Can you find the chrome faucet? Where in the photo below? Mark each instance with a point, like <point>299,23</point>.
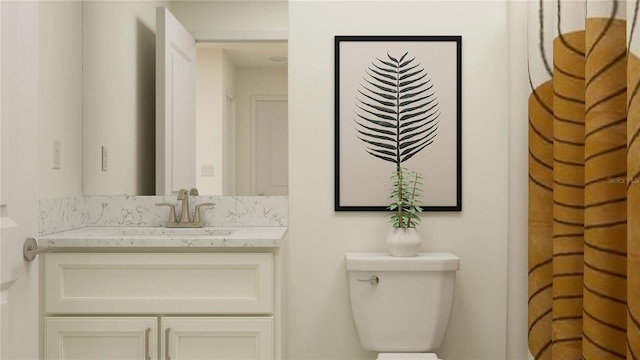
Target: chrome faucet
<point>185,221</point>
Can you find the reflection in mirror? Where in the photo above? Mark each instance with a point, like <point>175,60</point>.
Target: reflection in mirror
<point>241,118</point>
<point>196,113</point>
<point>97,91</point>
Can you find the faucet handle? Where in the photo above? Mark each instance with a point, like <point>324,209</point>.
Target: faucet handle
<point>196,213</point>
<point>172,212</point>
<point>193,192</point>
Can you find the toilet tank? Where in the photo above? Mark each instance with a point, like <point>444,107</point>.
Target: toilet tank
<point>401,304</point>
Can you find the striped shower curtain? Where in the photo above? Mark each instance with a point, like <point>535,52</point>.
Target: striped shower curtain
<point>584,179</point>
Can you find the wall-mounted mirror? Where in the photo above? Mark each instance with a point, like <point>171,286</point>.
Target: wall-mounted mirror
<point>98,89</point>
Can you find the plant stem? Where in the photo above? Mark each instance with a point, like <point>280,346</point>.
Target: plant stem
<point>413,193</point>
<point>400,208</point>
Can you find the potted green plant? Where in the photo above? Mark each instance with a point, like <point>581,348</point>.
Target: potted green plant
<point>406,191</point>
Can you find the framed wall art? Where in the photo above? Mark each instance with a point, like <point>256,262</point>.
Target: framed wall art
<point>397,104</point>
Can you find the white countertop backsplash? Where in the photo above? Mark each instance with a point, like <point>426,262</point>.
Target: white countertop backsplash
<point>62,214</point>
<point>91,212</point>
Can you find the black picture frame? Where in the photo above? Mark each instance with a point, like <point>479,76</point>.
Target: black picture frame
<point>364,100</point>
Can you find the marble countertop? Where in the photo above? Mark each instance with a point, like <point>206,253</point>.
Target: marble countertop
<point>161,237</point>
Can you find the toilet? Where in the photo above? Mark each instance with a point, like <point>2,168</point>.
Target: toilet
<point>401,305</point>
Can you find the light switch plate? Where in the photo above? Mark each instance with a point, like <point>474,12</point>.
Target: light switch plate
<point>57,149</point>
<point>105,158</point>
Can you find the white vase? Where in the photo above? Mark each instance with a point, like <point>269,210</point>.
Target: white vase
<point>403,242</point>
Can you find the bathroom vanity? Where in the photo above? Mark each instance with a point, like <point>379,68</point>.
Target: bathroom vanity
<point>148,292</point>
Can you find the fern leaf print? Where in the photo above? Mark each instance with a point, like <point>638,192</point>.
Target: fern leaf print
<point>396,109</point>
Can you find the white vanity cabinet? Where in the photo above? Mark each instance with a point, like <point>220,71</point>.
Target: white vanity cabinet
<point>162,306</point>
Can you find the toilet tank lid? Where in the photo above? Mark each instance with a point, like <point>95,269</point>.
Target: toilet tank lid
<point>380,261</point>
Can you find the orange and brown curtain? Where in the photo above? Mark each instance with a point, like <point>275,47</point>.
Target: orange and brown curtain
<point>584,180</point>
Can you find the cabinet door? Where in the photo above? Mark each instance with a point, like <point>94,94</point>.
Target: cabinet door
<point>105,338</point>
<point>224,338</point>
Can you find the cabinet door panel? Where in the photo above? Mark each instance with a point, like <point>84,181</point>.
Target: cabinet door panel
<point>106,338</point>
<point>229,283</point>
<point>234,338</point>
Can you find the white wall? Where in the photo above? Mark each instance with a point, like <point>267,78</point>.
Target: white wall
<point>215,80</point>
<point>319,322</point>
<point>208,108</point>
<point>119,96</point>
<point>97,88</point>
<point>517,336</point>
<point>252,81</point>
<point>60,89</point>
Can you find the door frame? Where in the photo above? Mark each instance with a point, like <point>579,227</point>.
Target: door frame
<point>254,134</point>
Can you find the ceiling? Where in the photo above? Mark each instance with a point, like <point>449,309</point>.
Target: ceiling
<point>253,54</point>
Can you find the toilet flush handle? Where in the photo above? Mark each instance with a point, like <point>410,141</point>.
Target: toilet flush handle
<point>373,280</point>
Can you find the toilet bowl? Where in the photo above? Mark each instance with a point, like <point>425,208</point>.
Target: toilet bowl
<point>401,305</point>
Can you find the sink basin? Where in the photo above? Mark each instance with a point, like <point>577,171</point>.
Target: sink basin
<point>160,231</point>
